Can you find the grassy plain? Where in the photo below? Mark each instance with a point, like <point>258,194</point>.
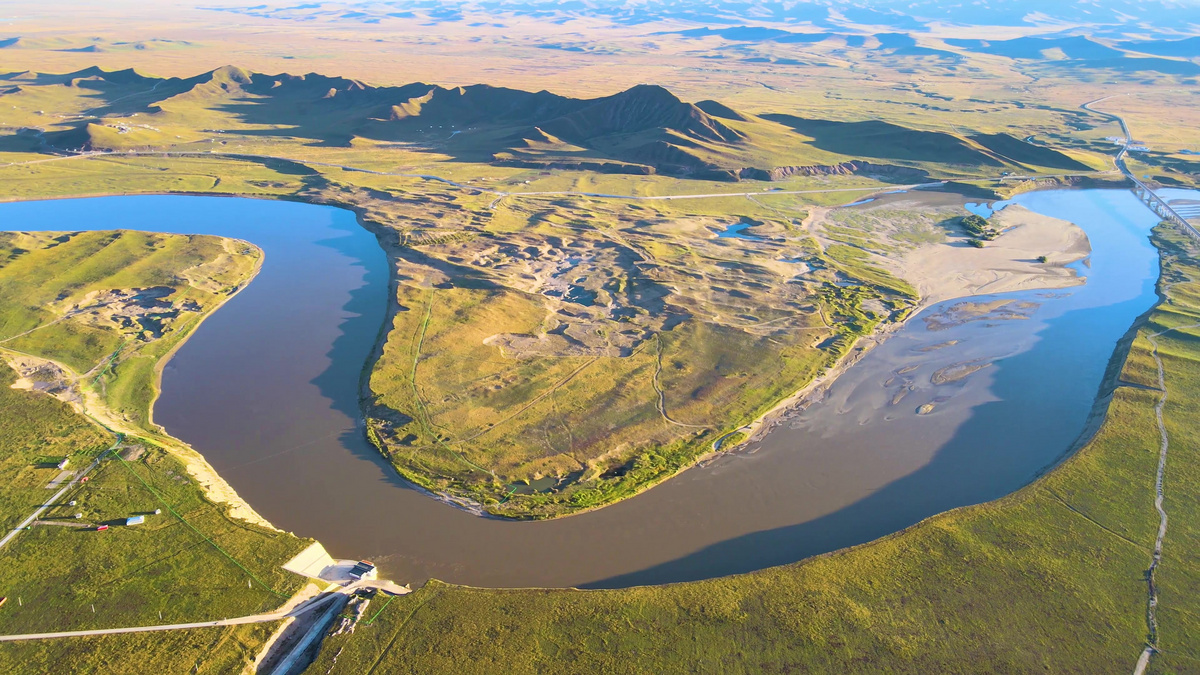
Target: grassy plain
<point>211,651</point>
<point>64,298</point>
<point>1050,578</point>
<point>110,305</point>
<point>671,337</point>
<point>597,330</point>
<point>172,564</point>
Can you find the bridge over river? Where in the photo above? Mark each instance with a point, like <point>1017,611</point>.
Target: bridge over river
<point>1148,197</point>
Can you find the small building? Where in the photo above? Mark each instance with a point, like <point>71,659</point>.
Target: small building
<point>363,569</point>
<point>63,464</point>
<point>102,528</point>
<point>135,520</point>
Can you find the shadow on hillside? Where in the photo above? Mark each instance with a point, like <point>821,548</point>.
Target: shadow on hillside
<point>365,312</point>
<point>876,139</point>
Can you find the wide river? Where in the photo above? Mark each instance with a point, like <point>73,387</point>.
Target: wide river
<point>267,390</point>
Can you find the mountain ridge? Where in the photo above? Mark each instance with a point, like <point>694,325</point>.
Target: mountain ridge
<point>643,129</point>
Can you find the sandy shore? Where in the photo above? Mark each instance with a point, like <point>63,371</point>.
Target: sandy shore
<point>954,269</point>
<point>90,404</point>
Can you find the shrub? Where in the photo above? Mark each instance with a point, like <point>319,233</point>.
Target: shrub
<point>978,227</point>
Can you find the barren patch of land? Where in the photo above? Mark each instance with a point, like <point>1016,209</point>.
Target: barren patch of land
<point>952,269</point>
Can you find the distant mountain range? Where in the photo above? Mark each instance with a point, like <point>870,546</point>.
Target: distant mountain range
<point>645,129</point>
<point>1080,51</point>
<point>1073,50</point>
<point>1167,16</point>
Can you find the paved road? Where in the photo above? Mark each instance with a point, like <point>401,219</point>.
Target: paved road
<point>255,618</point>
<point>464,186</point>
<point>281,613</point>
<point>1164,210</point>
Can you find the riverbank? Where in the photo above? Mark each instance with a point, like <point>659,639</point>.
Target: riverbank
<point>947,270</point>
<point>121,378</point>
<point>1009,265</point>
<point>386,216</point>
<point>387,239</point>
<point>138,540</point>
<point>636,534</point>
<point>1033,252</point>
<point>215,487</point>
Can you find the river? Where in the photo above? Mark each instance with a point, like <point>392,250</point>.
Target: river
<point>267,390</point>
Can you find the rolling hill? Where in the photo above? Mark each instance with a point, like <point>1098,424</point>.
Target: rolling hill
<point>1079,52</point>
<point>1185,48</point>
<point>642,130</point>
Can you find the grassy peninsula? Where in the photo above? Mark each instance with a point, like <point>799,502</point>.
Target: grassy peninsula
<point>85,321</point>
<point>1050,578</point>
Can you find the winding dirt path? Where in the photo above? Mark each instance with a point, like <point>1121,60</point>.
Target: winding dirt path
<point>662,395</point>
<point>1152,588</point>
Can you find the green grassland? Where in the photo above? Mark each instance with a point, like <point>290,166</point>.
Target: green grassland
<point>715,375</point>
<point>55,305</point>
<point>1048,579</point>
<point>551,353</point>
<point>211,651</point>
<point>38,434</point>
<point>173,564</point>
<point>189,562</point>
<point>500,383</point>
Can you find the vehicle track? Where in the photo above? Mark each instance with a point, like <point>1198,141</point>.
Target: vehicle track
<point>1152,588</point>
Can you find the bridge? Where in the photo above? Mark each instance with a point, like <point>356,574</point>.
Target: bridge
<point>1157,204</point>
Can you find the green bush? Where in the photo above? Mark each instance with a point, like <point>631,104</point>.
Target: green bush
<point>979,228</point>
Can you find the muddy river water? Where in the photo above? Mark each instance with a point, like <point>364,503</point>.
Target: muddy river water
<point>966,403</point>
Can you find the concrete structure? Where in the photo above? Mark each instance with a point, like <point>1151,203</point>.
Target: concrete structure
<point>315,563</point>
<point>310,562</point>
<point>1160,206</point>
<point>364,569</point>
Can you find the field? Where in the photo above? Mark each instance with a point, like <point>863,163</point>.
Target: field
<point>84,331</point>
<point>212,651</point>
<point>108,306</point>
<point>1050,578</point>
